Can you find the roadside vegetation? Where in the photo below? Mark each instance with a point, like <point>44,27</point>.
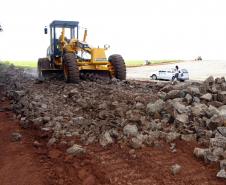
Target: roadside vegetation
<point>129,63</point>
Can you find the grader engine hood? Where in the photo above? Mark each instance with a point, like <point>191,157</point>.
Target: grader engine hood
<point>98,55</point>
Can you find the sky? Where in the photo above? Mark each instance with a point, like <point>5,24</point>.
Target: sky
<point>136,29</point>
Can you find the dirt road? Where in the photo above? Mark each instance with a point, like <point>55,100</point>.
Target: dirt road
<point>23,163</point>
<point>198,70</point>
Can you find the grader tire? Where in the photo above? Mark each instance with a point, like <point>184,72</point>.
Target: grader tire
<point>119,66</point>
<point>71,70</point>
<point>43,63</point>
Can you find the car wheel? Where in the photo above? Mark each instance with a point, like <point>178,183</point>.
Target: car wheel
<point>154,77</point>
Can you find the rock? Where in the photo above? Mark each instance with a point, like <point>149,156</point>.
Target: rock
<point>173,94</point>
<point>175,169</point>
<point>37,144</point>
<point>106,139</point>
<point>207,97</point>
<point>180,108</point>
<point>38,121</point>
<point>212,111</point>
<point>172,136</point>
<point>221,132</point>
<point>215,121</point>
<point>15,136</point>
<point>182,118</point>
<point>223,164</point>
<point>221,97</point>
<point>218,142</point>
<point>130,130</point>
<point>76,150</point>
<point>198,110</point>
<point>136,143</point>
<point>17,95</point>
<point>193,90</point>
<point>209,157</point>
<point>196,100</point>
<point>218,152</point>
<point>156,107</point>
<point>139,106</point>
<point>200,152</point>
<point>133,115</point>
<point>209,81</point>
<point>189,137</point>
<point>188,98</point>
<point>222,111</point>
<point>51,141</point>
<point>24,123</point>
<point>221,174</point>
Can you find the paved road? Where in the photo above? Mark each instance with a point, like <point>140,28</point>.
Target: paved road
<point>198,70</point>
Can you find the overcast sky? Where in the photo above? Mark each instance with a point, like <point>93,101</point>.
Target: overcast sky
<point>137,29</point>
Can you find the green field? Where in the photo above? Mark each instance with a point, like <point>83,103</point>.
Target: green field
<point>23,64</point>
<point>129,63</point>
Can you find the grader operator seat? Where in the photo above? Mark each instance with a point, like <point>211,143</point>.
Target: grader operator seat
<point>55,28</point>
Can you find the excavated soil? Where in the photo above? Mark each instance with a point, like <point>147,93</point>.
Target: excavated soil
<point>31,162</point>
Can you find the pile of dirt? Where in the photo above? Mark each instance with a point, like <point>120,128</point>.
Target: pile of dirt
<point>131,113</point>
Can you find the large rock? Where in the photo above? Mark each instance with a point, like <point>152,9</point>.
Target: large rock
<point>218,142</point>
<point>212,111</point>
<point>76,150</point>
<point>156,107</point>
<point>175,94</point>
<point>222,174</point>
<point>130,130</point>
<point>207,97</point>
<point>221,132</point>
<point>201,152</point>
<point>180,108</point>
<point>199,109</point>
<point>182,118</point>
<point>215,121</point>
<point>193,90</point>
<point>209,81</point>
<point>221,97</point>
<point>106,139</point>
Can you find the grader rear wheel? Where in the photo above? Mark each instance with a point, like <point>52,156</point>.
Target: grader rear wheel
<point>43,64</point>
<point>71,70</point>
<point>119,67</point>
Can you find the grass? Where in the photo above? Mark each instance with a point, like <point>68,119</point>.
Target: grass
<point>24,64</point>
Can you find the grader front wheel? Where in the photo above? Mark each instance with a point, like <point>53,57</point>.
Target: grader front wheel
<point>71,70</point>
<point>118,66</point>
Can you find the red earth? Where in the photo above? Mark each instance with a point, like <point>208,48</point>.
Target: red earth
<point>26,163</point>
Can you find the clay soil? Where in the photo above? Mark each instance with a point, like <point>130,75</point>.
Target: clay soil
<point>31,162</point>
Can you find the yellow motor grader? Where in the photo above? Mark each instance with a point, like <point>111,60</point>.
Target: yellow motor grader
<point>75,58</point>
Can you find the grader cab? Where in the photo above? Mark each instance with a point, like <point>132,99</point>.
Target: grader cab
<point>77,59</point>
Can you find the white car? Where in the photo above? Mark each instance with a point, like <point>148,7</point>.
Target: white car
<point>170,75</point>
